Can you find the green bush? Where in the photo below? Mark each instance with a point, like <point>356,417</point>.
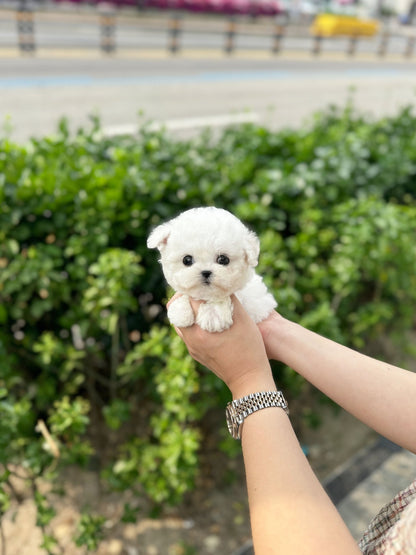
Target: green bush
<point>84,343</point>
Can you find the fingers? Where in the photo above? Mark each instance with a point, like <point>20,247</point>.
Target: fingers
<point>238,307</point>
<point>195,305</point>
<point>179,332</point>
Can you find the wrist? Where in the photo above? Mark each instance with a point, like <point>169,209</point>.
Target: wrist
<point>275,332</point>
<point>252,381</point>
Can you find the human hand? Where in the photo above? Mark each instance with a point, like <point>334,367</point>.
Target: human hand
<point>273,332</point>
<point>237,356</point>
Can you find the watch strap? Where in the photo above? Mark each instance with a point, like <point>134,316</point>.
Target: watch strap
<point>239,409</point>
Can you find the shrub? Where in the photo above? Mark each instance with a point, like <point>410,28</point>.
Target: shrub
<point>84,344</point>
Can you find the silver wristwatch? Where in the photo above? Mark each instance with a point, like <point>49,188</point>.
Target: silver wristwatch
<point>238,410</point>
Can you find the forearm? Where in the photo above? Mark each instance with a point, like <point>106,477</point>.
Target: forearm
<point>290,512</point>
<point>289,509</point>
<point>381,395</point>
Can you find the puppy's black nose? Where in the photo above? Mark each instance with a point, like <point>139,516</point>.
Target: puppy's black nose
<point>206,274</point>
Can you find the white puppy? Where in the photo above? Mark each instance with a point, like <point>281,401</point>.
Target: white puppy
<point>208,254</point>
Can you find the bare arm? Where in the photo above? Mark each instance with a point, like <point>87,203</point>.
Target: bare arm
<point>379,394</point>
<point>290,512</point>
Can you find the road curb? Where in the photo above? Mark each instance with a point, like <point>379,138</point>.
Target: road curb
<point>195,54</point>
<point>349,475</point>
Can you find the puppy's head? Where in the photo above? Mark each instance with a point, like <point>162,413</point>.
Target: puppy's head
<point>206,253</point>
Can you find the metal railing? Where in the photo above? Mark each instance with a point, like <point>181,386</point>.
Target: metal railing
<point>281,36</point>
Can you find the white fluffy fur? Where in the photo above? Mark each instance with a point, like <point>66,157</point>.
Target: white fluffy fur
<point>204,234</point>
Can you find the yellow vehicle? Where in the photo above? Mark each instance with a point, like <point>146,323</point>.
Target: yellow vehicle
<point>331,25</point>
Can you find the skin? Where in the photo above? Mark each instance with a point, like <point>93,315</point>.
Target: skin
<point>289,510</point>
<point>379,394</point>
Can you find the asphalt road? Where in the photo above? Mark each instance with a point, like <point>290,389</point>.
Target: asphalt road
<point>187,93</point>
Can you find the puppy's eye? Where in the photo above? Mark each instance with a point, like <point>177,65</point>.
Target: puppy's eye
<point>188,260</point>
<point>223,260</point>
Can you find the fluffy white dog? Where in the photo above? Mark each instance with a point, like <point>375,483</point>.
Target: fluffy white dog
<point>208,254</point>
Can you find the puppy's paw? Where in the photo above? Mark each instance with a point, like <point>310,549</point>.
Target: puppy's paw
<point>256,299</point>
<point>180,313</point>
<point>215,317</point>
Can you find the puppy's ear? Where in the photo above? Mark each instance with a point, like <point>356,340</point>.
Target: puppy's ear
<point>159,237</point>
<point>252,248</point>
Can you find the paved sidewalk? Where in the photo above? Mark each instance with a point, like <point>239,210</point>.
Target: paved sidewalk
<point>367,498</point>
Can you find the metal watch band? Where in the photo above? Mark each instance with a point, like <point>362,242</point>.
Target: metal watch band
<point>238,410</point>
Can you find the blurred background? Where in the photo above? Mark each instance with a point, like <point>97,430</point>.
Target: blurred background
<point>298,116</point>
<point>180,61</point>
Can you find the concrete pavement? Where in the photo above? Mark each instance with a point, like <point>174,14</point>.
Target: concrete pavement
<point>366,499</point>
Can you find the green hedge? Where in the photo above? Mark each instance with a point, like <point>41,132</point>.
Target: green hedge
<point>84,343</point>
